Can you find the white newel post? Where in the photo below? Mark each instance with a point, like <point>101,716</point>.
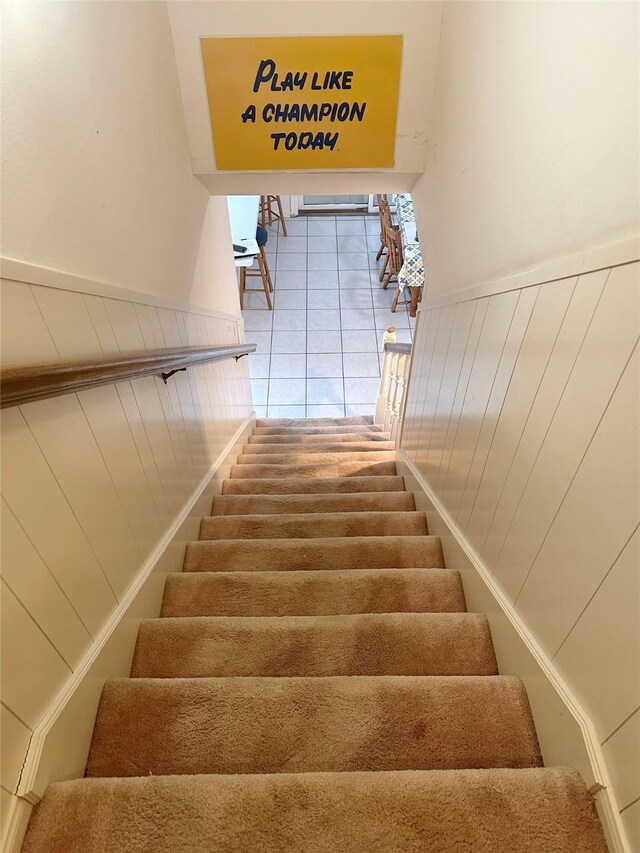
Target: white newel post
<point>383,391</point>
<point>393,375</point>
<point>398,396</point>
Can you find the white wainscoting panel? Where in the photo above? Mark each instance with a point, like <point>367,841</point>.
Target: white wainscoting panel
<point>522,417</point>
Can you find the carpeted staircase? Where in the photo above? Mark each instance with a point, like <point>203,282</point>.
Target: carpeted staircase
<point>315,685</point>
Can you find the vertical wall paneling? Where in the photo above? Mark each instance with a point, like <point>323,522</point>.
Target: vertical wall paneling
<point>92,482</point>
<point>522,417</point>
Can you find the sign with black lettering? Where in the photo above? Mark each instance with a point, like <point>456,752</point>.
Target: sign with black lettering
<point>308,102</point>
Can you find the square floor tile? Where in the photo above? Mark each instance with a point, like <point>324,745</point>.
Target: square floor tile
<point>324,365</point>
<point>285,367</point>
<point>385,317</point>
<point>260,388</point>
<point>315,411</point>
<point>288,392</point>
<point>289,342</point>
<point>322,261</point>
<point>361,364</point>
<point>352,244</point>
<point>360,341</point>
<point>356,299</point>
<point>373,242</point>
<point>325,391</point>
<point>351,227</point>
<point>259,365</point>
<point>375,263</point>
<point>324,342</point>
<point>359,390</point>
<point>321,227</point>
<point>291,261</point>
<point>290,280</point>
<point>323,299</point>
<point>359,318</point>
<point>297,227</point>
<point>255,301</point>
<point>257,321</point>
<point>372,226</point>
<point>286,412</point>
<point>382,298</point>
<point>323,320</point>
<point>322,279</point>
<point>353,261</point>
<point>261,339</point>
<point>284,320</point>
<point>351,279</point>
<point>292,244</point>
<point>290,299</point>
<point>321,244</point>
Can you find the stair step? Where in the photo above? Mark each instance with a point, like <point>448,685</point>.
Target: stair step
<point>484,811</point>
<point>313,469</point>
<point>349,552</point>
<point>306,485</point>
<point>287,504</point>
<point>313,593</point>
<point>315,457</point>
<point>317,448</point>
<point>320,438</point>
<point>313,525</point>
<point>283,646</point>
<point>295,432</point>
<point>277,725</point>
<point>359,420</point>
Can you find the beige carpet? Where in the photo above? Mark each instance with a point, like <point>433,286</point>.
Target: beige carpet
<point>315,684</point>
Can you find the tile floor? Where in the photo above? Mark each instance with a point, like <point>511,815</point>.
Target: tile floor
<point>319,349</point>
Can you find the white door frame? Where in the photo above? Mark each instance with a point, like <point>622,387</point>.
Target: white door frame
<point>298,202</point>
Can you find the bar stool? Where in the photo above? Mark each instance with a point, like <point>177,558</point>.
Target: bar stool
<point>268,215</point>
<point>263,271</point>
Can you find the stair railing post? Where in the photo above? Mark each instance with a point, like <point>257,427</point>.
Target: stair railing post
<point>393,374</point>
<point>398,396</point>
<point>383,391</point>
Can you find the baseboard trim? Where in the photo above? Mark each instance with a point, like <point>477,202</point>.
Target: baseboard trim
<point>31,783</point>
<point>600,785</point>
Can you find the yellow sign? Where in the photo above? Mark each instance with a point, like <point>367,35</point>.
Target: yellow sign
<point>310,102</point>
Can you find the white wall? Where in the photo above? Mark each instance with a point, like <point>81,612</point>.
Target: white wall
<point>522,416</point>
<point>418,22</point>
<point>96,173</point>
<point>533,142</point>
<point>92,485</point>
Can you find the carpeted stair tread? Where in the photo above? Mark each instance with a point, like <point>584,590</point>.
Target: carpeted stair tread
<point>348,552</point>
<point>337,468</point>
<point>315,457</point>
<point>313,525</point>
<point>358,420</point>
<point>321,438</point>
<point>541,810</point>
<point>274,725</point>
<point>362,644</point>
<point>310,486</point>
<point>288,504</point>
<point>313,593</point>
<point>318,448</point>
<point>319,430</point>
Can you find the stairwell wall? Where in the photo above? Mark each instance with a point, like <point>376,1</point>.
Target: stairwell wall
<point>109,245</point>
<point>522,410</point>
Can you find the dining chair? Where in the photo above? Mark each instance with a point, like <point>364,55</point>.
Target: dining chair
<point>262,236</point>
<point>386,223</point>
<point>268,215</point>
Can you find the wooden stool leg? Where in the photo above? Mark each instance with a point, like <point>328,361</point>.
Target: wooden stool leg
<point>266,266</point>
<point>264,273</point>
<point>243,283</point>
<point>281,215</point>
<point>263,210</point>
<point>415,296</point>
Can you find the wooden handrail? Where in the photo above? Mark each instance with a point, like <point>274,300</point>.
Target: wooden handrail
<point>39,381</point>
<point>403,349</point>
